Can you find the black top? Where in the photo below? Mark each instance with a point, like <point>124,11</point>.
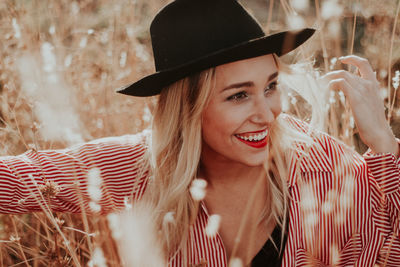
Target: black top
<point>269,254</point>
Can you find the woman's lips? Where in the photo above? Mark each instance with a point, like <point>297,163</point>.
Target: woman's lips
<point>254,139</point>
<point>258,144</point>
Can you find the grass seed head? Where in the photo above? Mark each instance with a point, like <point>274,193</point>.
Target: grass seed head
<point>213,225</point>
<point>50,189</point>
<point>198,189</point>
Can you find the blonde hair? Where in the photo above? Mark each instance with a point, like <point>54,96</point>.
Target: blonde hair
<point>175,158</point>
<point>175,154</point>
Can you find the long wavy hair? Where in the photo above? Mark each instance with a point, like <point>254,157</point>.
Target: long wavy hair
<point>175,158</point>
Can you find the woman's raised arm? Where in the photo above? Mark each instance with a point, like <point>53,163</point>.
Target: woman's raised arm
<point>362,93</point>
<point>97,176</point>
<point>383,162</point>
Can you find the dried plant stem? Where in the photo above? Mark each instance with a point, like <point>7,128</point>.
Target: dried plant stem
<point>47,211</point>
<point>286,7</point>
<point>321,32</point>
<point>19,243</point>
<point>70,250</point>
<point>1,253</point>
<point>333,119</point>
<point>353,34</point>
<point>56,248</point>
<point>270,9</point>
<point>391,105</point>
<point>348,139</point>
<point>19,130</point>
<point>84,217</point>
<point>112,247</point>
<point>36,231</point>
<point>37,241</point>
<point>246,214</point>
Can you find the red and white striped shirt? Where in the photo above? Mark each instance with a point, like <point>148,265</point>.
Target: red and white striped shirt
<point>344,208</point>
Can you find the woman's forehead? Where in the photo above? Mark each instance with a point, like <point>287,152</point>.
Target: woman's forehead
<point>247,69</point>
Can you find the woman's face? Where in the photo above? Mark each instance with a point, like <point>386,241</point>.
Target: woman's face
<point>243,105</point>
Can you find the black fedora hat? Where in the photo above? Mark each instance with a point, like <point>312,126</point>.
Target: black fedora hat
<point>189,36</point>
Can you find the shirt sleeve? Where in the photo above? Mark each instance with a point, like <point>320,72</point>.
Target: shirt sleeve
<point>348,205</point>
<point>102,176</point>
<point>384,170</point>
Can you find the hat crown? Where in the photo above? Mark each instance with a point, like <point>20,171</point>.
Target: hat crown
<point>187,30</point>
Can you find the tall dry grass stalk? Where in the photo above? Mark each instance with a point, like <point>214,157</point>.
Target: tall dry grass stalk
<point>60,62</point>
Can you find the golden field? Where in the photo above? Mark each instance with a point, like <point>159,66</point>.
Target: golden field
<point>61,62</point>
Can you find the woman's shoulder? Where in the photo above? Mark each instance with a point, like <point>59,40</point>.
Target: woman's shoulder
<point>318,136</point>
<point>139,141</point>
<point>324,151</point>
<point>142,137</point>
<point>107,151</point>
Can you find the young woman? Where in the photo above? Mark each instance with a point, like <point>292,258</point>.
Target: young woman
<point>287,194</point>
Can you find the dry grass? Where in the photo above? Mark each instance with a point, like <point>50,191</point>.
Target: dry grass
<point>60,62</point>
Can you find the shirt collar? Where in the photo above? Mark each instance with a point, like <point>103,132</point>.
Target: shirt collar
<point>306,159</point>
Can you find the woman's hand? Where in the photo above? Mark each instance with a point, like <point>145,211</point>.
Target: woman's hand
<point>362,93</point>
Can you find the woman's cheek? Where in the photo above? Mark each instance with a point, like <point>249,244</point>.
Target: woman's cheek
<point>276,104</point>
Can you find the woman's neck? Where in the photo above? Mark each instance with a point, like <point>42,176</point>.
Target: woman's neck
<point>238,193</point>
<point>228,174</point>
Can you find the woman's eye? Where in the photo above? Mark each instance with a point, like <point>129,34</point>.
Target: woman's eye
<point>238,96</point>
<point>271,87</point>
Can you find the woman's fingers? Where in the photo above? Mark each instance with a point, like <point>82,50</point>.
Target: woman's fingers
<point>362,64</point>
<point>365,102</point>
<point>341,74</point>
<point>349,83</point>
<point>340,84</point>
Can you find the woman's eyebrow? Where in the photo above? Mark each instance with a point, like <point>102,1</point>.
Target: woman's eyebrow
<point>249,83</point>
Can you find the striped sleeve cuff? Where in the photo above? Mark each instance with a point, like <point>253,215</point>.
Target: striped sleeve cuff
<point>385,168</point>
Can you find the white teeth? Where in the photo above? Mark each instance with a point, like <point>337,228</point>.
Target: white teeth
<point>256,137</point>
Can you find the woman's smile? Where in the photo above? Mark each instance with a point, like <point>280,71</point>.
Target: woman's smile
<point>257,139</point>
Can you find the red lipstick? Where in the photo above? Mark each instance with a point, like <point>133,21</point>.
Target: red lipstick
<point>256,144</point>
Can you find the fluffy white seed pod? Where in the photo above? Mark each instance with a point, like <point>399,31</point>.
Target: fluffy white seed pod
<point>198,189</point>
<point>114,224</point>
<point>331,9</point>
<point>94,184</point>
<point>98,259</point>
<point>140,244</point>
<point>235,262</point>
<point>300,5</point>
<point>213,225</point>
<point>169,217</point>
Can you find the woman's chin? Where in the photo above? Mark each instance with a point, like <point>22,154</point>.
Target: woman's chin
<point>254,161</point>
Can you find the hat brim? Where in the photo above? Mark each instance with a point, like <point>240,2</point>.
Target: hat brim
<point>279,43</point>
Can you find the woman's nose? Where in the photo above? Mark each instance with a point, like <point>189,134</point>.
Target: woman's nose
<point>263,111</point>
